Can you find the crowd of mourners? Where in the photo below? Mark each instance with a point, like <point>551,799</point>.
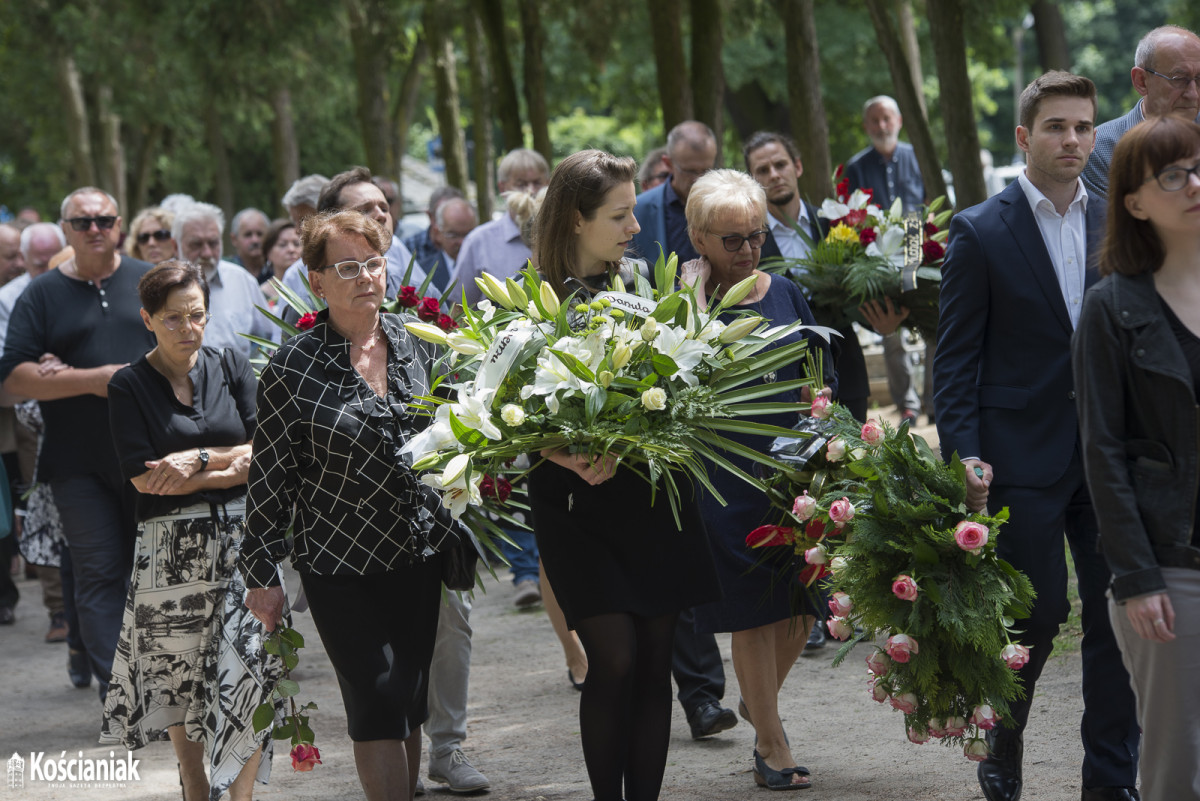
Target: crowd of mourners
<point>163,485</point>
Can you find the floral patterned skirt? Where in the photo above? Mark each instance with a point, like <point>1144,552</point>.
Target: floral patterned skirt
<point>190,653</point>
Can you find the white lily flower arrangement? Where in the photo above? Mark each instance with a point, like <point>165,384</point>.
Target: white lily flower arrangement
<point>640,372</point>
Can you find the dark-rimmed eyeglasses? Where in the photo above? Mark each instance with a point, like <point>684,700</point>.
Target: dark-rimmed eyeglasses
<point>161,235</point>
<point>733,242</point>
<point>1172,179</point>
<point>173,320</point>
<point>350,269</point>
<point>1178,81</point>
<point>81,224</point>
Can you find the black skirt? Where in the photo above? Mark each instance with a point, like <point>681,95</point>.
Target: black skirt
<point>607,549</point>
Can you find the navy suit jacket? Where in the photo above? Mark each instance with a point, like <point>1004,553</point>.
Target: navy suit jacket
<point>1002,370</point>
<point>652,216</point>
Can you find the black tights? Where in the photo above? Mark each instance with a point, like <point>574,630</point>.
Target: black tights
<point>625,711</point>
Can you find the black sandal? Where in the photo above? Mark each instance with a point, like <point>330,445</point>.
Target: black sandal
<point>766,776</point>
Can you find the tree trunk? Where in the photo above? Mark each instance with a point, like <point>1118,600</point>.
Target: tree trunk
<point>111,167</point>
<point>144,167</point>
<point>674,92</point>
<point>907,28</point>
<point>958,110</point>
<point>445,78</point>
<point>708,71</point>
<point>1051,35</point>
<point>491,14</point>
<point>371,68</point>
<point>481,113</point>
<point>535,80</point>
<point>285,150</point>
<point>805,106</point>
<point>405,106</point>
<point>70,87</point>
<point>219,156</point>
<point>908,97</point>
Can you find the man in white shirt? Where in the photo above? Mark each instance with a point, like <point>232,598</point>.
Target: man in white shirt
<point>1012,281</point>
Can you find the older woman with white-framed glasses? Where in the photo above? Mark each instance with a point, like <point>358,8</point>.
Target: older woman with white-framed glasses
<point>335,405</point>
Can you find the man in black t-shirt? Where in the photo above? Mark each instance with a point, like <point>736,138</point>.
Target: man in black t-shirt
<point>70,331</point>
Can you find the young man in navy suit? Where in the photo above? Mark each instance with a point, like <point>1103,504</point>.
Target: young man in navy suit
<point>1012,287</point>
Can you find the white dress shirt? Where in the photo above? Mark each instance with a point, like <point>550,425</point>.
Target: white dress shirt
<point>1065,236</point>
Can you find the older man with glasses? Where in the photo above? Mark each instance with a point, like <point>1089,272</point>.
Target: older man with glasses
<point>86,313</point>
<point>1166,73</point>
<point>691,152</point>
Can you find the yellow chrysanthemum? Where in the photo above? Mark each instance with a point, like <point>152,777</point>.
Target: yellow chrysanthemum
<point>842,233</point>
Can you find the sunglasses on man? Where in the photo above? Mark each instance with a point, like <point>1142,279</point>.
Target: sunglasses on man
<point>82,224</point>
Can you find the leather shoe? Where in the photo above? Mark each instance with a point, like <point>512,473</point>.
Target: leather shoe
<point>79,669</point>
<point>1110,794</point>
<point>710,718</point>
<point>816,638</point>
<point>7,616</point>
<point>1000,774</point>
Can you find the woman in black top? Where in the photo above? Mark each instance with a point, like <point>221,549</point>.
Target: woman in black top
<point>621,568</point>
<point>1136,357</point>
<point>189,662</point>
<point>334,408</point>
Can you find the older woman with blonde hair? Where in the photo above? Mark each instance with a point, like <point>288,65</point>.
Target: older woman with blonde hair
<point>150,235</point>
<point>727,223</point>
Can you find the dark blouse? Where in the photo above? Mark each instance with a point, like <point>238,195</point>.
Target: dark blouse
<point>327,451</point>
<point>1189,343</point>
<point>149,422</point>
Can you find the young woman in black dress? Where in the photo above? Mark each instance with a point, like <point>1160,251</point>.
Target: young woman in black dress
<point>620,566</point>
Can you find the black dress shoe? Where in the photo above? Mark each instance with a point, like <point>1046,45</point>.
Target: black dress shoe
<point>816,638</point>
<point>710,718</point>
<point>1110,794</point>
<point>7,616</point>
<point>79,669</point>
<point>1000,774</point>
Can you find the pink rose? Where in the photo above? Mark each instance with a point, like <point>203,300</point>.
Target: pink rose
<point>835,451</point>
<point>1015,656</point>
<point>878,662</point>
<point>840,604</point>
<point>817,555</point>
<point>905,702</point>
<point>839,628</point>
<point>985,717</point>
<point>804,506</point>
<point>901,647</point>
<point>953,727</point>
<point>304,757</point>
<point>975,750</point>
<point>821,407</point>
<point>917,737</point>
<point>878,691</point>
<point>905,588</point>
<point>841,511</point>
<point>872,432</point>
<point>971,537</point>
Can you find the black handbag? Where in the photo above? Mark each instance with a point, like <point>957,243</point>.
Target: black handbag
<point>454,542</point>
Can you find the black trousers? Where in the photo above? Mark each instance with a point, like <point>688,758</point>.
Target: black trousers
<point>696,664</point>
<point>1032,541</point>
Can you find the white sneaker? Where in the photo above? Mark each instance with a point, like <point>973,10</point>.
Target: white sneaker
<point>454,769</point>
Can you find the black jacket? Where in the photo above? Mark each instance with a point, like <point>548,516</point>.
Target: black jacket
<point>1138,423</point>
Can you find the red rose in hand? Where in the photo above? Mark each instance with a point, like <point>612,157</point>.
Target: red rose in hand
<point>307,321</point>
<point>933,251</point>
<point>305,757</point>
<point>446,322</point>
<point>428,310</point>
<point>408,296</point>
<point>866,236</point>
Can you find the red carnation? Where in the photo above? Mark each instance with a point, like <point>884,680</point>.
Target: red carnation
<point>307,321</point>
<point>408,296</point>
<point>866,236</point>
<point>428,310</point>
<point>446,322</point>
<point>934,252</point>
<point>843,189</point>
<point>769,536</point>
<point>930,229</point>
<point>854,218</point>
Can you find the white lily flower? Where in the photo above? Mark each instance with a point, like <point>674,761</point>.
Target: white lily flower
<point>437,436</point>
<point>473,411</point>
<point>458,491</point>
<point>461,343</point>
<point>687,353</point>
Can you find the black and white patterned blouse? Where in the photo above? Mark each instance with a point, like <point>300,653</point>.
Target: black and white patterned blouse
<point>327,450</point>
